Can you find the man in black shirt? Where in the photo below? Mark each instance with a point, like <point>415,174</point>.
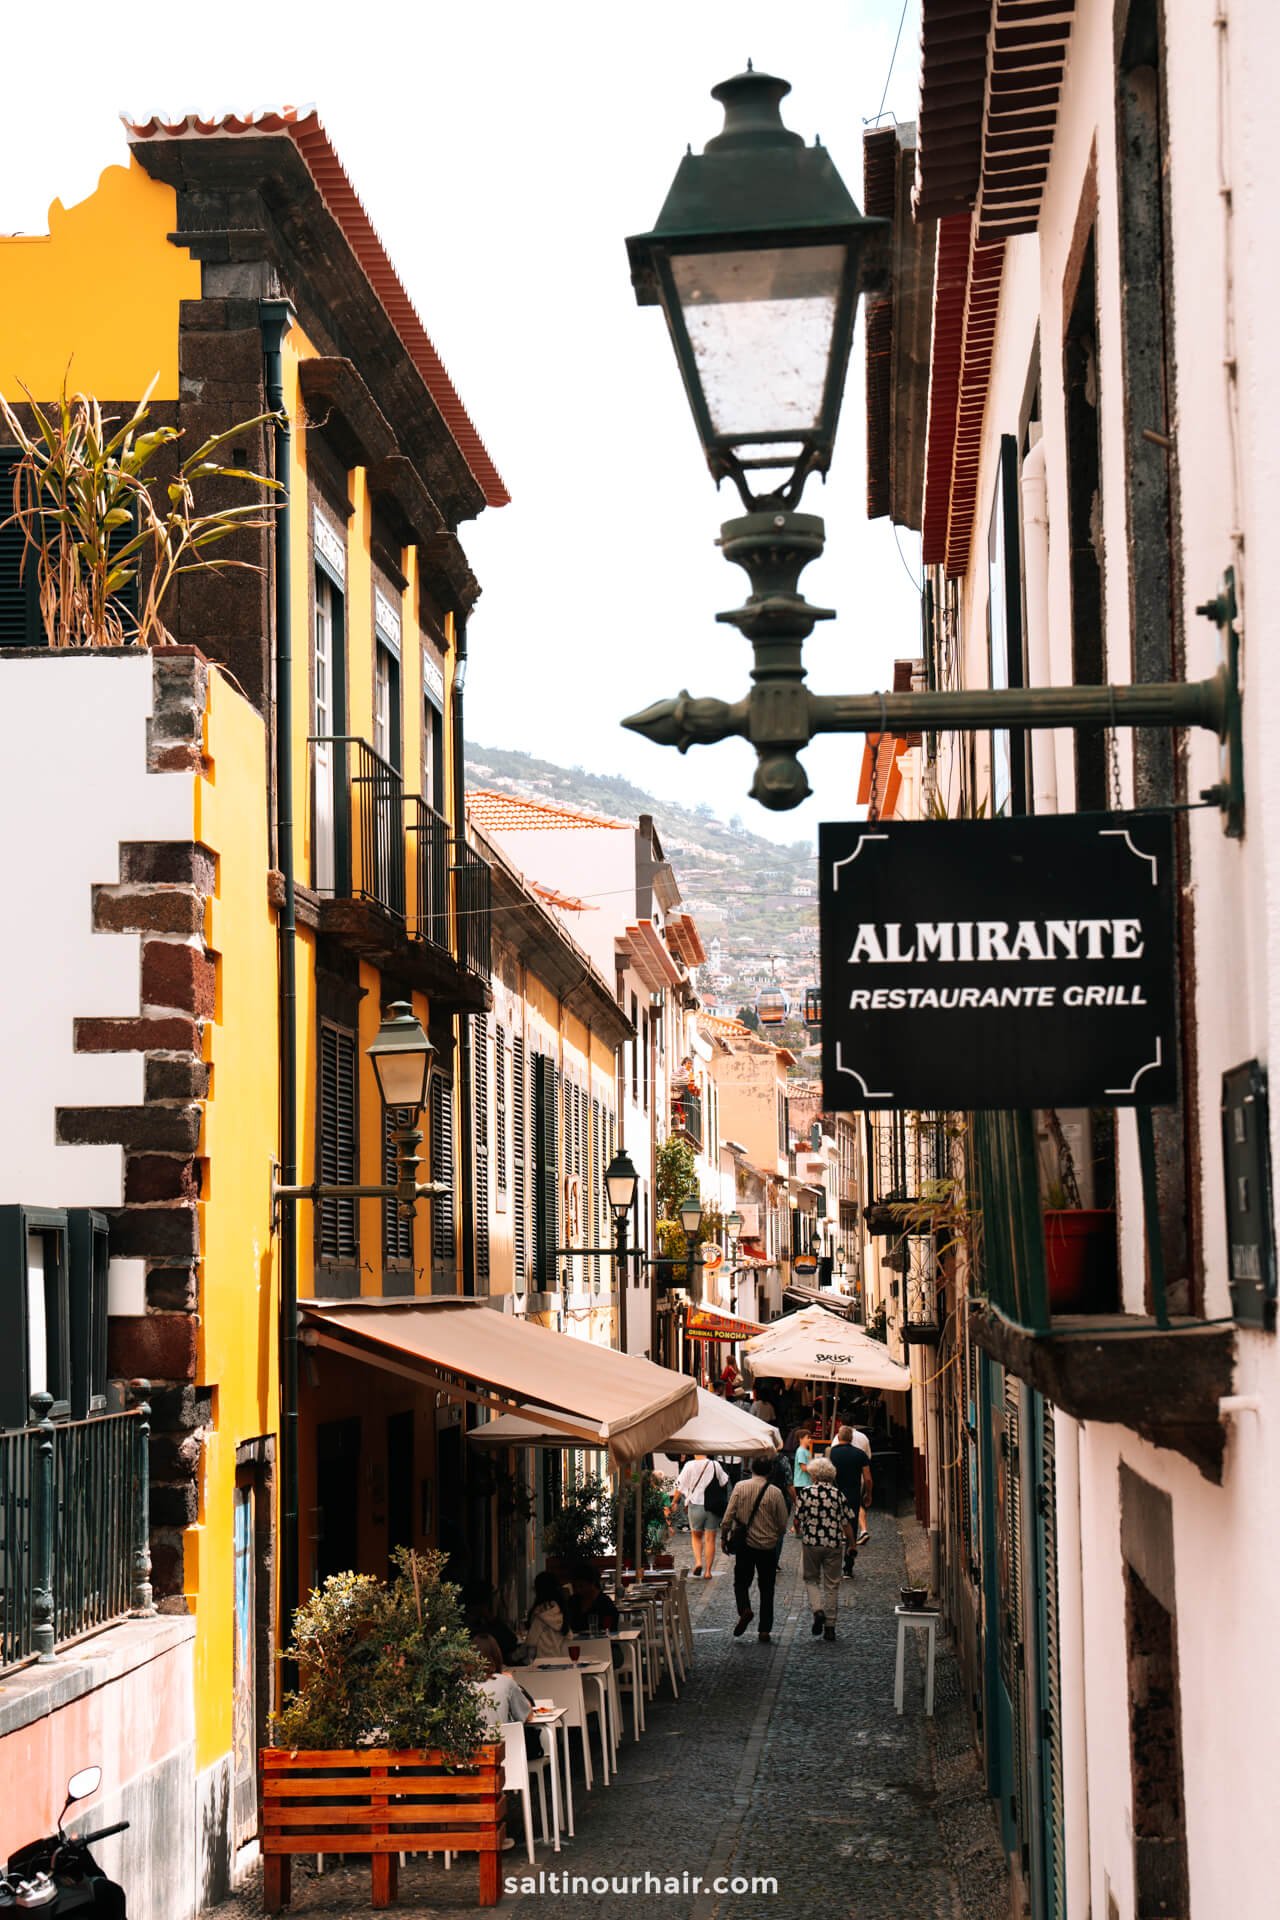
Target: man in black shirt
<point>591,1609</point>
<point>853,1478</point>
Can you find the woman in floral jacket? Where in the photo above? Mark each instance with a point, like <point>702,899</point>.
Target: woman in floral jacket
<point>824,1521</point>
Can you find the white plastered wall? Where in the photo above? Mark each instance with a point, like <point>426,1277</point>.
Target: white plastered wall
<point>1227,1565</point>
<point>73,767</point>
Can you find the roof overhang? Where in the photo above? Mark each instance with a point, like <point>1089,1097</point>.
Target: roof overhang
<point>898,323</point>
<point>460,1346</point>
<point>644,948</point>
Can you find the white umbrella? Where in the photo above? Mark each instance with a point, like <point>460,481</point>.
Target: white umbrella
<point>816,1345</point>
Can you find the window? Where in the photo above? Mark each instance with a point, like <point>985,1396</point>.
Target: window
<point>338,1239</point>
<point>20,624</point>
<point>387,726</point>
<point>328,724</point>
<point>635,1049</point>
<point>53,1311</point>
<point>1004,630</point>
<point>644,1051</point>
<point>432,733</point>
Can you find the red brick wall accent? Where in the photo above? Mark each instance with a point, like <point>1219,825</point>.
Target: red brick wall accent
<point>161,895</point>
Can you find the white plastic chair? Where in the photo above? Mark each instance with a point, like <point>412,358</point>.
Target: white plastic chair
<point>564,1686</point>
<point>519,1771</point>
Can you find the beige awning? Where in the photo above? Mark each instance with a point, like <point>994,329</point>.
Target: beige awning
<point>626,1404</point>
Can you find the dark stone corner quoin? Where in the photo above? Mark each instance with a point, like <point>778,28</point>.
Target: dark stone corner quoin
<point>1164,1384</point>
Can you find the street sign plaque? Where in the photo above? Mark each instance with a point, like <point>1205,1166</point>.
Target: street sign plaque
<point>998,964</point>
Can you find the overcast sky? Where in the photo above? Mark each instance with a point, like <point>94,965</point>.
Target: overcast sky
<point>504,151</point>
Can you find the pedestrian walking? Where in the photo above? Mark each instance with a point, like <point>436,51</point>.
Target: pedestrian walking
<point>824,1523</point>
<point>703,1485</point>
<point>853,1477</point>
<point>755,1525</point>
<point>802,1459</point>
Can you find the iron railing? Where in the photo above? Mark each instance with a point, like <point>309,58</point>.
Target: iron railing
<point>473,903</point>
<point>74,1528</point>
<point>357,840</point>
<point>428,834</point>
<point>686,1115</point>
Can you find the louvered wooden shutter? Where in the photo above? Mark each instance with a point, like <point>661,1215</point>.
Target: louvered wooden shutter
<point>338,1240</point>
<point>546,1208</point>
<point>1051,1678</point>
<point>397,1231</point>
<point>500,1109</point>
<point>443,1226</point>
<point>597,1190</point>
<point>519,1151</point>
<point>480,1135</point>
<point>1012,1641</point>
<point>20,624</point>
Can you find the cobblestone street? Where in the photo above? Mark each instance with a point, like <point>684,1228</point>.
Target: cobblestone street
<point>784,1761</point>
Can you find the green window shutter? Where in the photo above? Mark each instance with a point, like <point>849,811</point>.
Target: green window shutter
<point>338,1230</point>
<point>20,624</point>
<point>500,1109</point>
<point>519,1151</point>
<point>546,1209</point>
<point>597,1193</point>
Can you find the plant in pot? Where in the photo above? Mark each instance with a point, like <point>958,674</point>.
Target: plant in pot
<point>579,1529</point>
<point>385,1706</point>
<point>1081,1270</point>
<point>653,1517</point>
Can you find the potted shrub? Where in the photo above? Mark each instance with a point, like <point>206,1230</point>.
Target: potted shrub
<point>1081,1270</point>
<point>384,1716</point>
<point>579,1528</point>
<point>653,1517</point>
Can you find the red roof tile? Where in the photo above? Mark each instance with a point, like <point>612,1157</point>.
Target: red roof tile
<point>304,128</point>
<point>508,812</point>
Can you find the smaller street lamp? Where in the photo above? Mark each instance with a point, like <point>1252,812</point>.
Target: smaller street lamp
<point>620,1183</point>
<point>691,1221</point>
<point>401,1057</point>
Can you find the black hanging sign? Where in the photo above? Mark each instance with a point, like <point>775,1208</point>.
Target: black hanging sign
<point>1004,963</point>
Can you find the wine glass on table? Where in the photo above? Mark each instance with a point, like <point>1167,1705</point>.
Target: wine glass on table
<point>575,1654</point>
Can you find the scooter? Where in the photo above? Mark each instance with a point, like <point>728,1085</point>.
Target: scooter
<point>59,1875</point>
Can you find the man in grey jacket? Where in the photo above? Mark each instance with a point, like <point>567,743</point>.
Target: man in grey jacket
<point>761,1508</point>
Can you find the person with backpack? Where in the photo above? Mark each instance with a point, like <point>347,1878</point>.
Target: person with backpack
<point>703,1485</point>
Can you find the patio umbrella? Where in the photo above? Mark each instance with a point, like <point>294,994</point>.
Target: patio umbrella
<point>718,1427</point>
<point>816,1345</point>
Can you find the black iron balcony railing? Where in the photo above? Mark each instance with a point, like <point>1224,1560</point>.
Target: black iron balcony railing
<point>357,823</point>
<point>74,1525</point>
<point>472,897</point>
<point>428,837</point>
<point>686,1115</point>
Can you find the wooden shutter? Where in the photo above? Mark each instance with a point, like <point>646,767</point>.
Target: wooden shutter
<point>338,1235</point>
<point>519,1151</point>
<point>20,624</point>
<point>1012,1644</point>
<point>546,1198</point>
<point>397,1231</point>
<point>500,1109</point>
<point>443,1223</point>
<point>597,1190</point>
<point>480,1135</point>
<point>1051,1678</point>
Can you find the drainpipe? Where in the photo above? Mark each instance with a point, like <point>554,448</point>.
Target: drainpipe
<point>275,318</point>
<point>1035,562</point>
<point>466,1130</point>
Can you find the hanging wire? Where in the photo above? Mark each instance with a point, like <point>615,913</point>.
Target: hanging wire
<point>893,59</point>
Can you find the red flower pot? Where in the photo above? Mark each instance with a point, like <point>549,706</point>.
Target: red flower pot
<point>1080,1259</point>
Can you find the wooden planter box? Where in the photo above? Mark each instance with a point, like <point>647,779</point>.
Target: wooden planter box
<point>382,1803</point>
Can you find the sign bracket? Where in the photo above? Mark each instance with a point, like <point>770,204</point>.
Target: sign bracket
<point>781,715</point>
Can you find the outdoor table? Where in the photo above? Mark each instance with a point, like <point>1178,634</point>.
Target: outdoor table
<point>550,1722</point>
<point>598,1671</point>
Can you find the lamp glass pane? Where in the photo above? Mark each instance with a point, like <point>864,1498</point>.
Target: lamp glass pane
<point>401,1075</point>
<point>760,325</point>
<point>622,1190</point>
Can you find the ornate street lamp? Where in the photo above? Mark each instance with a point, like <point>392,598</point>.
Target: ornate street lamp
<point>620,1183</point>
<point>757,260</point>
<point>401,1056</point>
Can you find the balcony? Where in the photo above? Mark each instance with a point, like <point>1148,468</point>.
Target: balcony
<point>73,1514</point>
<point>1161,1375</point>
<point>686,1116</point>
<point>392,883</point>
